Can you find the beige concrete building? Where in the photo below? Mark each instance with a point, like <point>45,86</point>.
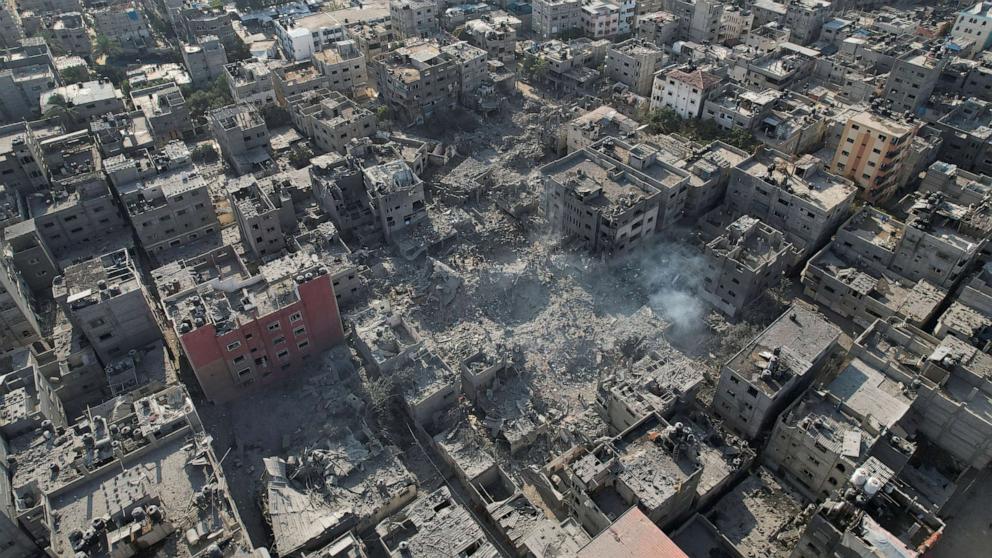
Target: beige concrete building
<point>871,152</point>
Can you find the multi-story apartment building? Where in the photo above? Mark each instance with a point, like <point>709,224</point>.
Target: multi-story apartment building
<point>204,60</point>
<point>239,329</point>
<point>975,25</point>
<point>634,63</point>
<point>242,135</point>
<point>330,119</point>
<point>497,36</point>
<point>22,163</point>
<point>805,19</point>
<point>600,19</point>
<point>872,151</point>
<point>250,82</point>
<point>165,110</point>
<point>660,28</point>
<point>88,99</point>
<point>913,77</point>
<point>343,64</point>
<point>767,375</point>
<point>552,18</point>
<point>70,32</point>
<point>417,81</point>
<point>106,301</point>
<point>265,217</point>
<point>742,263</point>
<point>611,197</point>
<point>683,90</point>
<point>125,23</point>
<point>796,197</point>
<point>414,18</point>
<point>18,322</point>
<point>966,131</point>
<point>24,78</point>
<point>165,197</point>
<point>295,78</point>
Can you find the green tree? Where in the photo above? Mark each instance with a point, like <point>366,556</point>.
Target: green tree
<point>275,116</point>
<point>300,156</point>
<point>202,100</point>
<point>75,74</point>
<point>59,108</point>
<point>105,46</point>
<point>204,153</point>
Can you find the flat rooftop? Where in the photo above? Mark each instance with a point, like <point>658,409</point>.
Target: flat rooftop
<point>804,178</point>
<point>799,334</point>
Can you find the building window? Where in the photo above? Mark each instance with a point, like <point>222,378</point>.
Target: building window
<point>303,344</point>
<point>274,326</point>
<point>279,340</point>
<point>296,317</point>
<point>283,354</point>
<point>234,346</point>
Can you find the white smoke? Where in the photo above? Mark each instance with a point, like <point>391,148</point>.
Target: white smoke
<point>670,274</point>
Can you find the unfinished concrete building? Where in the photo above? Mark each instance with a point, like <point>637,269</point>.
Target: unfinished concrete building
<point>161,431</point>
<point>612,196</point>
<point>243,137</point>
<point>296,78</point>
<point>265,216</point>
<point>105,300</point>
<point>204,60</point>
<point>966,130</point>
<point>742,263</point>
<point>912,79</point>
<point>586,129</point>
<point>496,36</point>
<point>817,444</point>
<point>414,18</point>
<point>417,81</point>
<point>877,267</point>
<point>250,82</point>
<point>324,243</point>
<point>165,111</point>
<point>330,119</point>
<point>948,381</point>
<point>969,317</point>
<point>343,64</point>
<point>237,329</point>
<point>773,369</point>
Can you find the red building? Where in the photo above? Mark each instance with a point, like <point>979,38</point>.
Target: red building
<point>240,330</point>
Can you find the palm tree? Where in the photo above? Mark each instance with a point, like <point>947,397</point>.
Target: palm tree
<point>59,107</point>
<point>105,46</point>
